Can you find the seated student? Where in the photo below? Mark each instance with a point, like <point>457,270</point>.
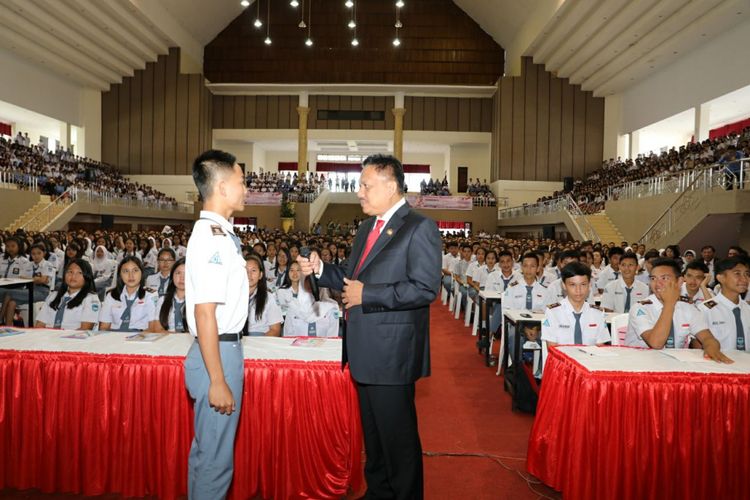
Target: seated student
<point>148,255</point>
<point>612,271</point>
<point>170,309</point>
<point>695,282</point>
<point>104,268</point>
<point>449,259</point>
<point>43,275</point>
<point>129,306</point>
<point>281,269</point>
<point>727,315</point>
<point>75,306</point>
<point>525,293</point>
<point>130,250</point>
<point>645,272</point>
<point>264,316</point>
<point>13,262</point>
<point>573,320</point>
<point>498,281</point>
<point>620,295</point>
<point>665,320</point>
<point>459,270</point>
<point>555,290</point>
<point>297,304</point>
<point>159,281</point>
<point>472,272</point>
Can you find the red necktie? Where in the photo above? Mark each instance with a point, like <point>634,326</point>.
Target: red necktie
<point>371,239</point>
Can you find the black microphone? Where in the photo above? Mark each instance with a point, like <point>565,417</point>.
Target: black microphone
<point>305,252</point>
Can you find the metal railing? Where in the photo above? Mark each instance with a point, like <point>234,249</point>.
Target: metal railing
<point>20,179</point>
<point>581,221</point>
<point>715,177</point>
<point>49,213</point>
<point>111,199</point>
<point>540,208</point>
<point>671,183</point>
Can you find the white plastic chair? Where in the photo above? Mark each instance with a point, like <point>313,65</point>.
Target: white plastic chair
<point>23,310</point>
<point>477,319</point>
<point>619,329</point>
<point>469,309</point>
<point>452,297</point>
<point>443,294</point>
<point>457,301</point>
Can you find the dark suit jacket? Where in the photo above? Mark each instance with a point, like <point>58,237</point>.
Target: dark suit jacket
<point>387,338</point>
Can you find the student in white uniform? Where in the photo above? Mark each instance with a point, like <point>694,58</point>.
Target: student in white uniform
<point>170,309</point>
<point>149,256</point>
<point>104,268</point>
<point>573,320</point>
<point>472,271</point>
<point>622,294</point>
<point>282,268</point>
<point>179,249</point>
<point>75,306</point>
<point>665,320</point>
<point>13,262</point>
<point>555,288</point>
<point>612,271</point>
<point>264,317</point>
<point>297,305</point>
<point>41,272</point>
<point>130,306</point>
<point>498,281</point>
<point>727,315</point>
<point>525,293</point>
<point>449,259</point>
<point>160,280</point>
<point>459,271</point>
<point>695,282</point>
<point>131,250</point>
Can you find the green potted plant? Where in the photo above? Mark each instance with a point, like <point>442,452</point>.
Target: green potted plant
<point>287,214</point>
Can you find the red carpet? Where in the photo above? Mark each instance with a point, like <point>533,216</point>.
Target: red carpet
<point>463,408</point>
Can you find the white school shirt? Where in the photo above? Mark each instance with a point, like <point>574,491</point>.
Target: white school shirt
<point>514,296</point>
<point>559,324</point>
<point>449,260</point>
<point>180,251</point>
<point>298,311</point>
<point>606,276</point>
<point>472,269</point>
<point>699,297</point>
<point>460,267</point>
<point>44,268</point>
<point>141,313</point>
<point>271,314</point>
<point>615,294</point>
<point>103,270</point>
<point>151,258</point>
<point>13,268</point>
<point>480,276</point>
<point>215,273</point>
<point>496,280</point>
<point>86,312</point>
<point>550,275</point>
<point>154,281</point>
<point>718,313</point>
<point>170,323</point>
<point>687,321</point>
<point>555,292</point>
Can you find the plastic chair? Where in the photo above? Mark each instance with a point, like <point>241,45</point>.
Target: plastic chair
<point>619,329</point>
<point>23,310</point>
<point>469,310</point>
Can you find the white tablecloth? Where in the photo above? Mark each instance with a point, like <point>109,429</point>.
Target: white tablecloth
<point>14,281</point>
<point>170,345</point>
<point>627,359</point>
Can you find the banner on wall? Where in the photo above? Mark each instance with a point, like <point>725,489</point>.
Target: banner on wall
<point>270,199</point>
<point>439,202</point>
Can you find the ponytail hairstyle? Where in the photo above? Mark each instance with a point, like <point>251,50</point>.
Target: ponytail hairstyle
<point>166,306</point>
<point>117,290</point>
<point>261,294</point>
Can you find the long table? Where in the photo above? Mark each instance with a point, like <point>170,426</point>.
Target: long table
<point>103,415</point>
<point>619,422</point>
<point>22,283</point>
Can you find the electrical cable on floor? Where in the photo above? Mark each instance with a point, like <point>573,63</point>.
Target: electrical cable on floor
<point>529,480</point>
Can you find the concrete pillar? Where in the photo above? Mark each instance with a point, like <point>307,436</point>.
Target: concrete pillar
<point>702,117</point>
<point>635,143</point>
<point>398,126</point>
<point>303,110</point>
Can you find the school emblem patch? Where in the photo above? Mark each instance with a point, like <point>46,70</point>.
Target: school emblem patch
<point>215,259</point>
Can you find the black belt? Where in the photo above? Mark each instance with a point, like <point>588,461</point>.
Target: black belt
<point>229,337</point>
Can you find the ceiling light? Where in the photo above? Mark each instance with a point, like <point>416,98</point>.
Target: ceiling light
<point>258,23</point>
<point>302,24</point>
<point>294,3</point>
<point>349,4</point>
<point>267,41</point>
<point>399,3</point>
<point>309,42</point>
<point>396,42</point>
<point>398,24</point>
<point>245,3</point>
<point>352,24</point>
<point>355,42</point>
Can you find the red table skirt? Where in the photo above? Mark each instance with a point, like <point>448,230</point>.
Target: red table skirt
<point>641,435</point>
<point>94,424</point>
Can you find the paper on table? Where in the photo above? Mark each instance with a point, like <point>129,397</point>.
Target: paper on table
<point>686,355</point>
<point>601,352</point>
<point>308,342</point>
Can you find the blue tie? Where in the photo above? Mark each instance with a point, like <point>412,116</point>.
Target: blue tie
<point>7,269</point>
<point>670,339</point>
<point>125,317</point>
<point>627,299</point>
<point>177,307</point>
<point>528,297</point>
<point>162,284</point>
<point>740,329</point>
<point>505,282</point>
<point>617,274</point>
<point>578,333</point>
<point>61,312</point>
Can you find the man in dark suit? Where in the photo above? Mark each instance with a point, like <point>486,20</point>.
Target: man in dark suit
<point>392,276</point>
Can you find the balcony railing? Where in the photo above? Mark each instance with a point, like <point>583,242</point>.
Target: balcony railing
<point>111,199</point>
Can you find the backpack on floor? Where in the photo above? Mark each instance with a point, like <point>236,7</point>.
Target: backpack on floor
<point>523,388</point>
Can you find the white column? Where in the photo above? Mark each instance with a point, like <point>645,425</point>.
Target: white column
<point>702,118</point>
<point>635,143</point>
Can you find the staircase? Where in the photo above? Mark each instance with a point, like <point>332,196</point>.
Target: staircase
<point>604,227</point>
<point>29,214</point>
